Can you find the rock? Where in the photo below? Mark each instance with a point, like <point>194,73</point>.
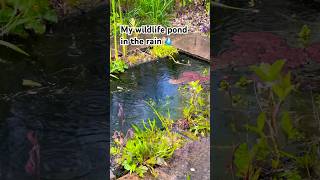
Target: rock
<point>112,176</point>
<point>129,177</point>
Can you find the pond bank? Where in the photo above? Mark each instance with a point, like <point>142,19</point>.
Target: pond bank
<point>194,44</point>
<point>191,159</point>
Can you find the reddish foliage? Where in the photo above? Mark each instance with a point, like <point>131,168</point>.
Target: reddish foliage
<point>189,76</point>
<point>33,163</point>
<point>257,47</point>
<point>314,52</point>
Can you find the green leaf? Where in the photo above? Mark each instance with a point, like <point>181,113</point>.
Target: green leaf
<point>260,124</point>
<point>267,72</point>
<point>51,16</point>
<point>275,69</point>
<point>13,47</point>
<point>242,159</point>
<point>261,121</point>
<point>288,128</point>
<point>37,26</point>
<point>141,170</point>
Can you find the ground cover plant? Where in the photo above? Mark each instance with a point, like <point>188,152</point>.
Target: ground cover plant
<point>280,150</point>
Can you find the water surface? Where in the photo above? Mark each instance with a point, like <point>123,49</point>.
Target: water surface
<point>68,113</point>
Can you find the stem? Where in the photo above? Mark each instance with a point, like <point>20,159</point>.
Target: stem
<point>124,48</point>
<point>114,29</point>
<point>256,94</point>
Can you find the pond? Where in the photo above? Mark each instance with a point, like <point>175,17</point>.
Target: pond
<point>149,81</point>
<point>281,20</point>
<point>64,120</point>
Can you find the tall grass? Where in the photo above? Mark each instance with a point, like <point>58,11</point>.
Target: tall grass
<point>152,11</point>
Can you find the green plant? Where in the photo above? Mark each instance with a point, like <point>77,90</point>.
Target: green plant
<point>19,16</point>
<point>272,124</point>
<point>117,66</point>
<point>224,85</point>
<point>196,109</point>
<point>148,147</point>
<point>162,51</point>
<point>305,35</point>
<point>152,11</point>
<point>208,8</point>
<point>243,82</point>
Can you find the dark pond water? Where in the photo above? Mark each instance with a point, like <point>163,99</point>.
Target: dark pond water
<point>149,81</point>
<point>68,114</point>
<point>284,19</point>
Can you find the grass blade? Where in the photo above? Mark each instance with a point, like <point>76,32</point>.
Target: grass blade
<point>13,47</point>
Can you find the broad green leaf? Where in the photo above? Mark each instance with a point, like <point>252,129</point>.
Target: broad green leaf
<point>242,159</point>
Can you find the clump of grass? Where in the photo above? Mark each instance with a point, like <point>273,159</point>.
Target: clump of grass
<point>152,11</point>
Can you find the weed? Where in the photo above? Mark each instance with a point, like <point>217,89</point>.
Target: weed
<point>304,35</point>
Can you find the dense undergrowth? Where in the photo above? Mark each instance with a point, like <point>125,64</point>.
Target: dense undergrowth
<point>281,149</point>
<point>141,150</point>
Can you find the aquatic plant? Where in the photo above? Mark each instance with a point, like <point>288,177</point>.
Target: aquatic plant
<point>275,130</point>
<point>196,109</point>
